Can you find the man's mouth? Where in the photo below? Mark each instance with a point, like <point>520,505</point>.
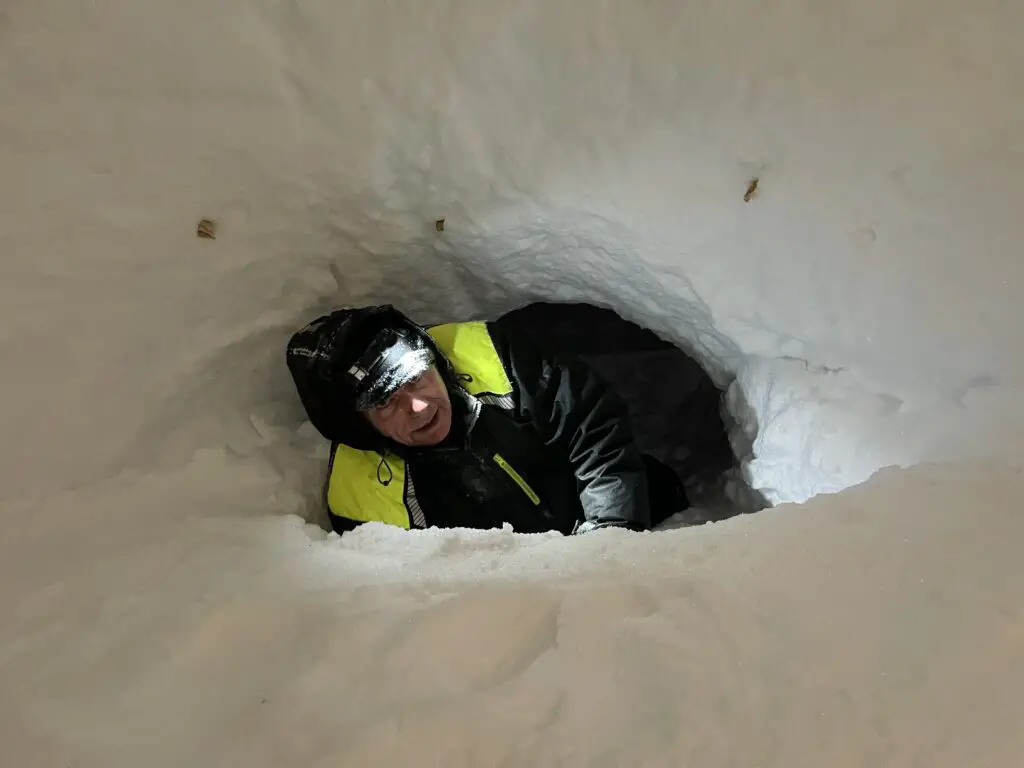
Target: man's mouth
<point>429,423</point>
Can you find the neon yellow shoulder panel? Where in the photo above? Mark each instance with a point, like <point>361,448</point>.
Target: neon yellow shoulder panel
<point>471,351</point>
<point>354,492</point>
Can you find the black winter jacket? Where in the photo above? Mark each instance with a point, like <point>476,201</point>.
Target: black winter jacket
<point>568,435</point>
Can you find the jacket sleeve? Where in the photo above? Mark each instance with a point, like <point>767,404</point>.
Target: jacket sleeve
<point>579,416</point>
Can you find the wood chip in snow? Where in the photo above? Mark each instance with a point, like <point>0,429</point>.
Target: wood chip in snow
<point>207,229</point>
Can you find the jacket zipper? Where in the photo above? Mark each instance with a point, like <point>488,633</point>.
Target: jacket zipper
<point>517,479</point>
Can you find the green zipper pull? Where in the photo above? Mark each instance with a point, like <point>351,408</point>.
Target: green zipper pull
<point>523,485</point>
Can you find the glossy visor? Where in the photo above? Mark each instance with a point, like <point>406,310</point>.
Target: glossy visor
<point>391,361</point>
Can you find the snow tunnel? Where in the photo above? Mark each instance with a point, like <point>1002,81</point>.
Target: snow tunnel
<point>816,202</point>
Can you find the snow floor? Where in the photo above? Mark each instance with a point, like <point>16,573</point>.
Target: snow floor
<point>880,626</point>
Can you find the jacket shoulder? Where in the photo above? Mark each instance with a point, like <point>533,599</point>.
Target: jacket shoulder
<point>474,355</point>
<point>356,490</point>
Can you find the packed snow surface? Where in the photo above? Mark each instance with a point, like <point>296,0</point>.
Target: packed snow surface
<point>163,626</point>
<point>165,602</point>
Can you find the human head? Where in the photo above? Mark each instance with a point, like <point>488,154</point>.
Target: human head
<point>417,414</point>
<point>398,388</point>
<point>348,364</point>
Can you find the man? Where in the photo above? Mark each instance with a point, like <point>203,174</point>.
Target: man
<point>469,425</point>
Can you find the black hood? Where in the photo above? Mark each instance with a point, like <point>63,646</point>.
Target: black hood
<point>319,354</point>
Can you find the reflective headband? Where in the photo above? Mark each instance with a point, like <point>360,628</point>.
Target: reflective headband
<point>392,360</point>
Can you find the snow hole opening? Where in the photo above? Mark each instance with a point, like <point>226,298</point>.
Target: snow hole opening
<point>682,416</point>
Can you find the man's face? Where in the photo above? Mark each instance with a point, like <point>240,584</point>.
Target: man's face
<point>419,414</point>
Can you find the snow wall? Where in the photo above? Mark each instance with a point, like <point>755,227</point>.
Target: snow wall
<point>164,603</point>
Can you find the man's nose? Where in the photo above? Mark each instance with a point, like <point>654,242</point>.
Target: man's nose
<point>418,404</point>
